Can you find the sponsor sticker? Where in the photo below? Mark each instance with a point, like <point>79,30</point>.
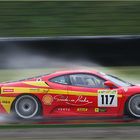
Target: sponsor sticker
<point>125,89</point>
<point>8,90</point>
<point>5,102</point>
<point>63,109</point>
<point>47,99</point>
<point>77,101</point>
<point>107,91</point>
<point>100,109</point>
<point>82,109</point>
<point>34,89</point>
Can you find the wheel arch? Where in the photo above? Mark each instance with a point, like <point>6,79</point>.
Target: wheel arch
<point>39,101</point>
<point>126,103</point>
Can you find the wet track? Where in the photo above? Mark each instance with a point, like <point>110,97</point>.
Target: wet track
<point>4,119</point>
<point>70,129</point>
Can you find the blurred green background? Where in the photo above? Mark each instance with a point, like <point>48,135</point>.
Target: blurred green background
<point>36,18</point>
<point>69,18</point>
<point>130,74</point>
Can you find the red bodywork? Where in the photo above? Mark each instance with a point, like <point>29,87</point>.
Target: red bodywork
<point>67,100</point>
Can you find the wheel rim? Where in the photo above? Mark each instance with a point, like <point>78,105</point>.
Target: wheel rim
<point>26,106</point>
<point>134,105</point>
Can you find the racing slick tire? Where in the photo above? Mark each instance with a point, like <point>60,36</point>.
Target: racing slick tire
<point>26,107</point>
<point>133,106</point>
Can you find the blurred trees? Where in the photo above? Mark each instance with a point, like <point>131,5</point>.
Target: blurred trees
<point>69,18</point>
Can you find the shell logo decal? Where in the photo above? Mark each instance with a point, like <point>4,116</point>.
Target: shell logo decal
<point>47,99</point>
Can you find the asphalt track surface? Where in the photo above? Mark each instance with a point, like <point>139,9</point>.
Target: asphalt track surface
<point>69,128</point>
<point>78,133</point>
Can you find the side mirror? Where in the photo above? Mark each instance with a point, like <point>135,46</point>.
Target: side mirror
<point>109,84</point>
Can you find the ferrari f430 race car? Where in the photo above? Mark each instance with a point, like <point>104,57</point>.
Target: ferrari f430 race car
<point>70,93</point>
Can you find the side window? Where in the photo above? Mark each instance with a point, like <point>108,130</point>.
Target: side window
<point>59,80</point>
<point>87,80</point>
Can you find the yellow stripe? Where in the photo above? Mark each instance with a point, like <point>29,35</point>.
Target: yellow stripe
<point>53,91</point>
<point>82,93</point>
<point>47,91</point>
<point>120,95</point>
<point>36,83</point>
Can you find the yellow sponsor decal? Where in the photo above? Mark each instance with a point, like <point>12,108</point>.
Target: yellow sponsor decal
<point>82,109</point>
<point>96,109</point>
<point>107,91</point>
<point>6,102</point>
<point>100,109</point>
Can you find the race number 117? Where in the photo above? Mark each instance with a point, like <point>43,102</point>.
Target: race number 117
<point>107,100</point>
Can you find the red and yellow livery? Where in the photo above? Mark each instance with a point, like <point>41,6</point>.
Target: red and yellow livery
<point>70,93</point>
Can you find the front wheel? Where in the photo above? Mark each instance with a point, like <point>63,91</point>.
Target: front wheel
<point>26,107</point>
<point>133,106</point>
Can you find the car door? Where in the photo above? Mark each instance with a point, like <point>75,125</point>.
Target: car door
<point>58,92</point>
<point>89,96</point>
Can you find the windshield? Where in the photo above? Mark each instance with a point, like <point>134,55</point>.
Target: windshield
<point>118,81</point>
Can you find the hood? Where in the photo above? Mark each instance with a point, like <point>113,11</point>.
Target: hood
<point>24,83</point>
<point>132,89</point>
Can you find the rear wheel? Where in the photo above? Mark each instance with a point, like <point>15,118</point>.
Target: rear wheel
<point>26,107</point>
<point>133,106</point>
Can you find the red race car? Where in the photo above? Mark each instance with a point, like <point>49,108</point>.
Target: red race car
<point>70,93</point>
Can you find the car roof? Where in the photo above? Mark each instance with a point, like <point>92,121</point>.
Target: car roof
<point>63,72</point>
<point>76,71</point>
